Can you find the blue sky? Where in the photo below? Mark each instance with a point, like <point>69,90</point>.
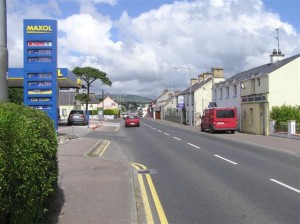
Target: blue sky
<point>288,10</point>
<point>139,42</point>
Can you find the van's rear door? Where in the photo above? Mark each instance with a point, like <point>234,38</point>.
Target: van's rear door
<point>225,119</point>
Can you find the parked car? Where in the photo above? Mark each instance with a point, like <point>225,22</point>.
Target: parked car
<point>132,120</point>
<point>77,117</point>
<point>219,119</point>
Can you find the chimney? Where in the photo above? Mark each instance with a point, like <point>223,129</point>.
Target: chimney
<point>206,75</point>
<point>217,72</point>
<point>193,81</point>
<point>200,78</point>
<point>276,56</point>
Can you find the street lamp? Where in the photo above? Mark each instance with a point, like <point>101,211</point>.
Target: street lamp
<point>190,103</point>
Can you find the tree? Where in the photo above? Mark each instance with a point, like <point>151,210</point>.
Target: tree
<point>90,75</point>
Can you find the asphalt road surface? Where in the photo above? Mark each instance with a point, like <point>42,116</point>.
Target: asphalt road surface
<point>202,178</point>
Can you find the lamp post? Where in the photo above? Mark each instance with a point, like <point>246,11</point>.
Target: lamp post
<point>190,91</point>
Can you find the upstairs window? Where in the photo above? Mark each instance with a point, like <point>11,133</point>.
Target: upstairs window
<point>234,90</point>
<point>227,91</point>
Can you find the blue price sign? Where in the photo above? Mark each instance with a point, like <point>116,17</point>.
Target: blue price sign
<point>40,66</point>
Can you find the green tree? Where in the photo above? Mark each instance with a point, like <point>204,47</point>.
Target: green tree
<point>90,75</point>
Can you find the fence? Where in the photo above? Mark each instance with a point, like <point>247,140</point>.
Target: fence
<point>289,129</point>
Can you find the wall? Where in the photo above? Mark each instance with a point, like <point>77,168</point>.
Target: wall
<point>284,85</point>
<point>203,96</point>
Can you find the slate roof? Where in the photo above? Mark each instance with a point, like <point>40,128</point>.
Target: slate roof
<point>258,71</point>
<point>68,98</point>
<point>195,86</point>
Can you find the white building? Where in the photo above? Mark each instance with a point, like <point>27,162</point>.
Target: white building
<point>254,92</point>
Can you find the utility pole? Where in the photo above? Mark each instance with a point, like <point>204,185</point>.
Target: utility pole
<point>3,52</point>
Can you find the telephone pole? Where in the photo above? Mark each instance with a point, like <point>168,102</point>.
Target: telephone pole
<point>3,53</point>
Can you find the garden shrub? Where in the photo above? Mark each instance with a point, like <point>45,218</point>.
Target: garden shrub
<point>28,164</point>
<point>285,113</point>
<point>111,112</point>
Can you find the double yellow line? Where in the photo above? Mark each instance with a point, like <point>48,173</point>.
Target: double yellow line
<point>159,208</point>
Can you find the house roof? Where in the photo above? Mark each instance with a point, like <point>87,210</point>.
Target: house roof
<point>195,86</point>
<point>258,71</point>
<point>93,99</point>
<point>67,98</point>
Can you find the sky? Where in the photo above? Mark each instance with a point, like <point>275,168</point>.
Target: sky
<point>138,43</point>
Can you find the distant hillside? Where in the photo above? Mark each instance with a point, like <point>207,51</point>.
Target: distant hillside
<point>127,98</point>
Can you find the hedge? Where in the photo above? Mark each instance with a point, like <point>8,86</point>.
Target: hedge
<point>285,113</point>
<point>28,164</point>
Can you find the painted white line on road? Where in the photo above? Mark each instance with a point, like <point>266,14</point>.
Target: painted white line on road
<point>285,185</point>
<point>159,130</point>
<point>166,133</point>
<point>154,128</point>
<point>177,138</point>
<point>226,159</point>
<point>193,145</point>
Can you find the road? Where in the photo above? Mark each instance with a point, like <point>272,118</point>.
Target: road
<point>202,178</point>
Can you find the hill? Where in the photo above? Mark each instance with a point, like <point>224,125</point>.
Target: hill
<point>127,98</point>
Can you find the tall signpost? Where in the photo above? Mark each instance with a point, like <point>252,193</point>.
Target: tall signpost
<point>40,66</point>
<point>3,52</point>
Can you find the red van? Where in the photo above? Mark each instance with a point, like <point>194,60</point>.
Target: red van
<point>219,119</point>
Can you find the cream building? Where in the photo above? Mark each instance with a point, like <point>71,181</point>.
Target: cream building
<point>201,95</point>
<point>254,92</point>
<point>159,102</point>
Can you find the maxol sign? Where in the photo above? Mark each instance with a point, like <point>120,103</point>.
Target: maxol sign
<point>40,66</point>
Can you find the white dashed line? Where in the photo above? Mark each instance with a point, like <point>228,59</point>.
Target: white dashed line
<point>226,159</point>
<point>159,130</point>
<point>285,185</point>
<point>177,138</point>
<point>154,128</point>
<point>166,133</point>
<point>193,145</point>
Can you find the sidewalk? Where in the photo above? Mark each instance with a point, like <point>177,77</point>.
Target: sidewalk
<point>93,190</point>
<point>272,142</point>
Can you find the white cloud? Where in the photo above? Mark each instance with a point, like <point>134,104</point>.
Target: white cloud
<point>139,54</point>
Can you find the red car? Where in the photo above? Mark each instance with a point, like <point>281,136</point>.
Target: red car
<point>132,120</point>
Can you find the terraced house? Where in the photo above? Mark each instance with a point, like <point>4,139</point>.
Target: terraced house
<point>254,92</point>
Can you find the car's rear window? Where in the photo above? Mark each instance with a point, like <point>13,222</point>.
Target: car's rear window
<point>76,112</point>
<point>225,114</point>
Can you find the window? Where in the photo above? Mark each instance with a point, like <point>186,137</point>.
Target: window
<point>234,90</point>
<point>227,91</point>
<point>251,116</point>
<point>215,94</point>
<point>253,85</point>
<point>225,114</point>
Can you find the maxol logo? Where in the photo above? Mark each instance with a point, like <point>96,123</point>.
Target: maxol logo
<point>39,29</point>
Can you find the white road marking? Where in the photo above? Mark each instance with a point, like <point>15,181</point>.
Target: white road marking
<point>193,145</point>
<point>159,130</point>
<point>226,159</point>
<point>177,138</point>
<point>154,128</point>
<point>285,185</point>
<point>166,133</point>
